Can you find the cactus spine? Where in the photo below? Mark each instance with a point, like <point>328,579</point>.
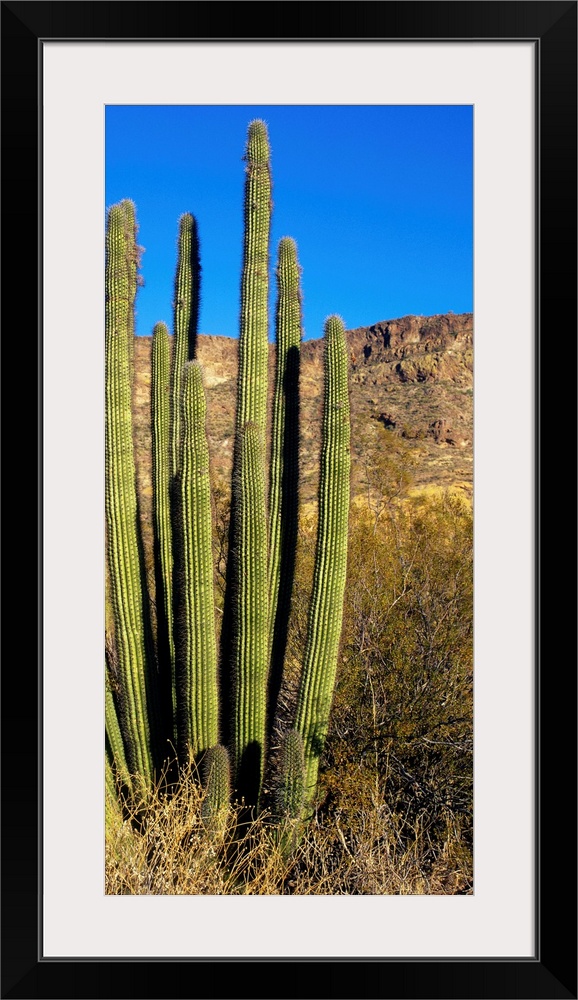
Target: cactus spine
<point>120,497</point>
<point>195,636</point>
<point>326,608</point>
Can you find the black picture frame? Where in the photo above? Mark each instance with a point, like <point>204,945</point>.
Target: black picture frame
<point>551,972</point>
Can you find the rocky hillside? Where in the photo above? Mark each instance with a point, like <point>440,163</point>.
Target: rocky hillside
<point>411,379</point>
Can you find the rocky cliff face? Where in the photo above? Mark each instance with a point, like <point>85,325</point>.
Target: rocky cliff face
<point>416,349</point>
<point>411,378</point>
<point>413,337</point>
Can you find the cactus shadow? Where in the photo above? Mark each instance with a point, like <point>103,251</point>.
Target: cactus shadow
<point>290,523</point>
<point>165,682</point>
<point>249,775</point>
<point>152,679</point>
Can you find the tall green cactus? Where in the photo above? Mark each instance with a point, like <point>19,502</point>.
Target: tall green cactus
<point>217,785</point>
<point>248,505</point>
<point>186,316</point>
<point>120,498</point>
<point>133,259</point>
<point>326,608</point>
<point>195,635</point>
<point>115,751</point>
<point>163,553</point>
<point>253,336</point>
<point>291,786</point>
<point>112,807</point>
<point>250,650</point>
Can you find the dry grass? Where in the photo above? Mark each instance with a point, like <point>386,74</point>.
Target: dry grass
<point>167,850</point>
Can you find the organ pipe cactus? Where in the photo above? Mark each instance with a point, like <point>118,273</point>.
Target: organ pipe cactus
<point>250,625</point>
<point>217,786</point>
<point>112,807</point>
<point>290,792</point>
<point>250,652</point>
<point>133,255</point>
<point>227,713</point>
<point>126,589</point>
<point>253,336</point>
<point>195,637</point>
<point>186,313</point>
<point>114,742</point>
<point>160,432</point>
<point>292,776</point>
<point>326,608</point>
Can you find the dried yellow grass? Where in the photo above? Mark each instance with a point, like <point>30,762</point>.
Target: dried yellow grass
<point>166,850</point>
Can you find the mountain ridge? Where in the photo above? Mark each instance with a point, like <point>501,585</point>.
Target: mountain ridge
<point>411,379</point>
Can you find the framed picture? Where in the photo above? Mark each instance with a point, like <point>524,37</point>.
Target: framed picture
<point>515,65</point>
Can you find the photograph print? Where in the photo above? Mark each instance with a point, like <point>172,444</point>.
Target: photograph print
<point>289,500</point>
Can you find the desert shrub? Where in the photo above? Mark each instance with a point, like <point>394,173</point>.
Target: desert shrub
<point>399,755</point>
<point>397,770</point>
<point>401,733</point>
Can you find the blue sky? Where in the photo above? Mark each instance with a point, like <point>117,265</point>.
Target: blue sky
<point>379,200</point>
